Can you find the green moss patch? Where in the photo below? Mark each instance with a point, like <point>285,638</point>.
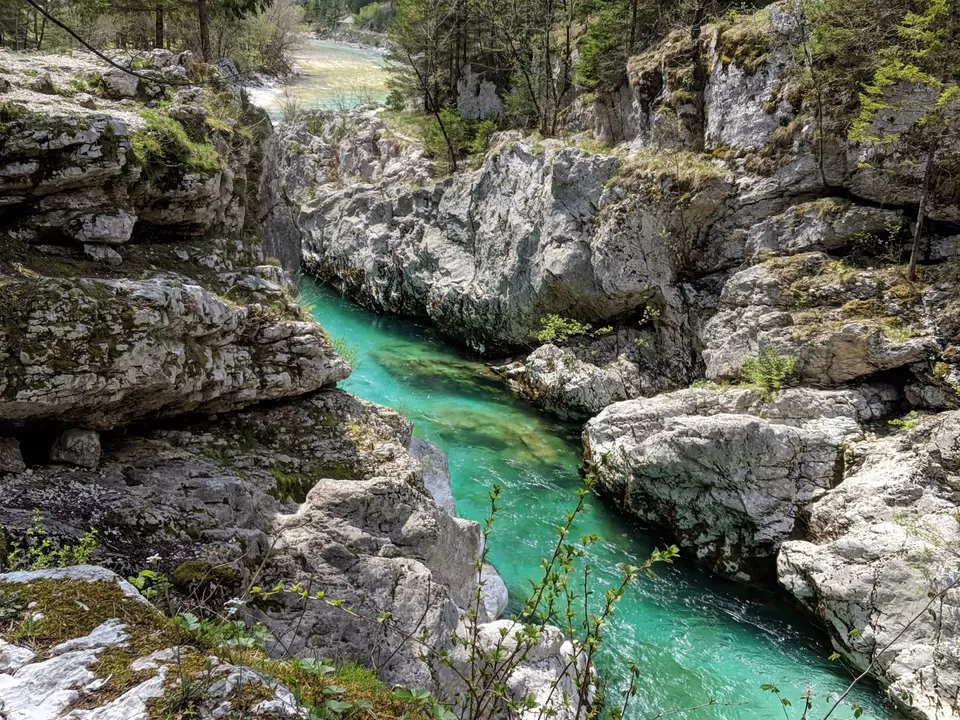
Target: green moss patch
<point>164,143</point>
<point>73,608</point>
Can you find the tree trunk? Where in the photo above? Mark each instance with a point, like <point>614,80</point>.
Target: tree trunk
<point>921,214</point>
<point>158,31</point>
<point>204,25</point>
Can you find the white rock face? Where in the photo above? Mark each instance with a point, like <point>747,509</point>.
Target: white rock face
<point>727,472</point>
<point>737,100</point>
<point>486,254</point>
<point>477,97</point>
<point>153,347</point>
<point>878,545</point>
<point>556,379</point>
<point>840,324</point>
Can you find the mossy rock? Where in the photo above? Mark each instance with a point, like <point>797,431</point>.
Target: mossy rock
<point>193,575</point>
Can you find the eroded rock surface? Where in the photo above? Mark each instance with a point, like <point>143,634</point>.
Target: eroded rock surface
<point>880,559</point>
<point>728,472</point>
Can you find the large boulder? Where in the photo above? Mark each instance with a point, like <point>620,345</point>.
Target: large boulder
<point>101,353</point>
<point>878,565</point>
<point>727,472</point>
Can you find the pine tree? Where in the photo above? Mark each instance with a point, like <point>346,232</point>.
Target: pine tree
<point>918,80</point>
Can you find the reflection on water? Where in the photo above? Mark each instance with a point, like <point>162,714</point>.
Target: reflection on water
<point>694,636</point>
<point>333,76</point>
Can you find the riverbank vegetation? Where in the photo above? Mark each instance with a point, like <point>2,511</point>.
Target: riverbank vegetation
<point>255,34</point>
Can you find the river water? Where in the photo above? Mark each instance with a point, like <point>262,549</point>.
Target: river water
<point>695,637</point>
<point>332,76</point>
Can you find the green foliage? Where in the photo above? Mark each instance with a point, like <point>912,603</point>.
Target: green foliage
<point>769,370</point>
<point>218,633</point>
<point>164,143</point>
<point>603,49</point>
<point>349,351</point>
<point>557,329</point>
<point>466,136</point>
<point>376,16</point>
<point>906,423</point>
<point>39,552</point>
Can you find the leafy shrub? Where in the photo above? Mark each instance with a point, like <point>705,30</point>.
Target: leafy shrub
<point>769,370</point>
<point>906,423</point>
<point>554,328</point>
<point>39,552</point>
<point>466,136</point>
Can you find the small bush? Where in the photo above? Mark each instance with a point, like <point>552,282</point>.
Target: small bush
<point>468,137</point>
<point>39,552</point>
<point>769,370</point>
<point>906,423</point>
<point>554,328</point>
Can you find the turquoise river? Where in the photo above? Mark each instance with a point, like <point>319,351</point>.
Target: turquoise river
<point>694,636</point>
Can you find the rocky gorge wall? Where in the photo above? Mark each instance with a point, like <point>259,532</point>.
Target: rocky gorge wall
<point>162,386</point>
<point>717,230</point>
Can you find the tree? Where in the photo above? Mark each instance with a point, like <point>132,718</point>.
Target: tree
<point>236,8</point>
<point>916,84</point>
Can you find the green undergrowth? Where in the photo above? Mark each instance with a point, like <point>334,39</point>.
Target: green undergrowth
<point>44,613</point>
<point>649,169</point>
<point>164,143</point>
<point>828,293</point>
<point>744,39</point>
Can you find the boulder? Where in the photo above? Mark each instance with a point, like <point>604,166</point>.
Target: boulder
<point>727,473</point>
<point>878,565</point>
<point>118,84</point>
<point>102,254</point>
<point>77,447</point>
<point>11,461</point>
<point>107,352</point>
<point>109,228</point>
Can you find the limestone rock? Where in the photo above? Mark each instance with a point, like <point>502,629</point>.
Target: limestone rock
<point>64,682</point>
<point>727,472</point>
<point>11,460</point>
<point>579,245</point>
<point>103,353</point>
<point>102,254</point>
<point>559,381</point>
<point>840,323</point>
<point>112,229</point>
<point>119,84</point>
<point>77,447</point>
<point>876,546</point>
<point>436,473</point>
<point>477,97</point>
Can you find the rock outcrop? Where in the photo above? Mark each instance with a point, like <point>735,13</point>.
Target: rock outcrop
<point>878,565</point>
<point>728,473</point>
<point>163,388</point>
